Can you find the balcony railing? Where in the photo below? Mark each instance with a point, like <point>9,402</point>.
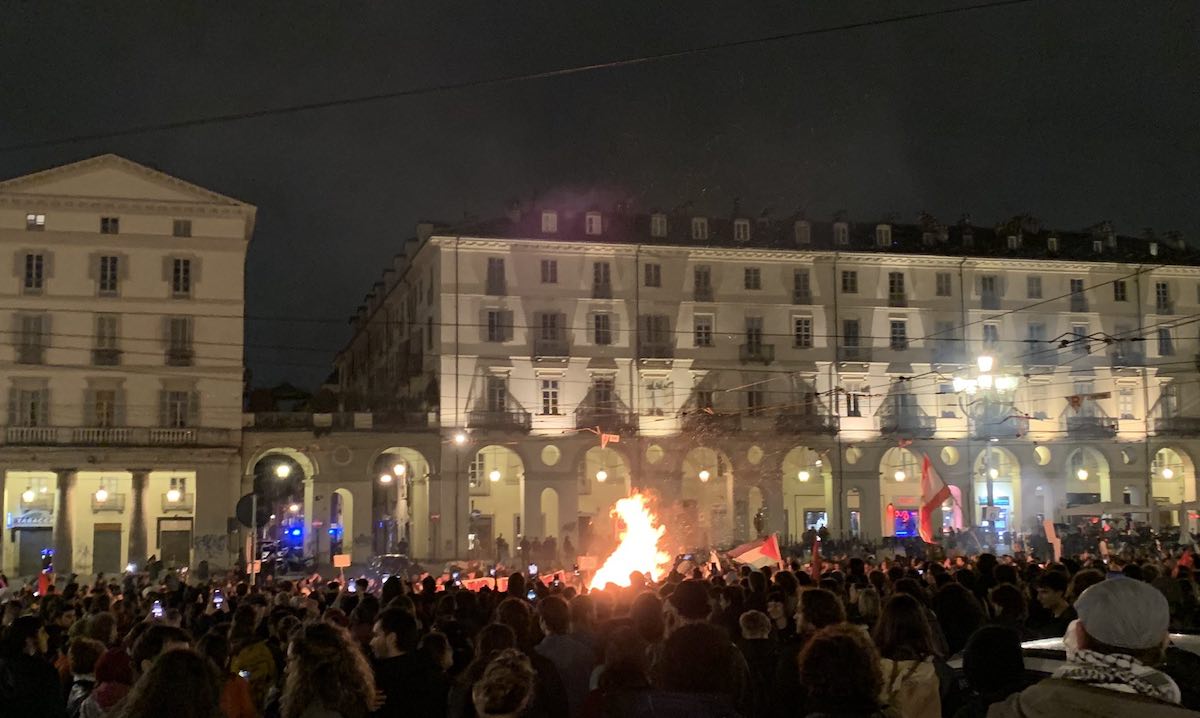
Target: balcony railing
<point>506,420</point>
<point>31,354</point>
<point>854,354</point>
<point>609,419</point>
<point>1177,426</point>
<point>700,421</point>
<point>802,423</point>
<point>992,426</point>
<point>897,300</point>
<point>180,356</point>
<point>185,502</point>
<point>339,421</point>
<point>755,352</point>
<point>656,349</point>
<point>602,290</point>
<point>914,426</point>
<point>550,347</point>
<point>113,502</point>
<point>1099,427</point>
<point>989,301</point>
<point>1167,307</point>
<point>1079,303</point>
<point>801,296</point>
<point>496,287</point>
<point>1127,358</point>
<point>117,436</point>
<point>106,357</point>
<point>702,293</point>
<point>949,353</point>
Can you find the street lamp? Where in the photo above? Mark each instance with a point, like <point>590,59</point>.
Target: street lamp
<point>899,475</point>
<point>28,495</point>
<point>294,508</point>
<point>803,476</point>
<point>101,495</point>
<point>991,389</point>
<point>1082,474</point>
<point>173,495</point>
<point>602,476</point>
<point>704,475</point>
<point>460,438</point>
<point>399,470</point>
<point>385,478</point>
<point>494,475</point>
<point>1167,473</point>
<point>282,471</point>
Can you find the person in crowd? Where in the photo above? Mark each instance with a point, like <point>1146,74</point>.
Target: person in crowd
<point>327,676</point>
<point>762,656</point>
<point>250,655</point>
<point>156,640</point>
<point>550,697</point>
<point>698,675</point>
<point>180,683</point>
<point>506,687</point>
<point>993,668</point>
<point>867,605</point>
<point>410,681</point>
<point>1119,640</point>
<point>114,678</point>
<point>816,608</point>
<point>236,699</point>
<point>83,654</point>
<point>909,659</point>
<point>622,677</point>
<point>435,647</point>
<point>1052,596</point>
<point>492,639</point>
<point>29,685</point>
<point>959,614</point>
<point>839,668</point>
<point>573,659</point>
<point>1010,608</point>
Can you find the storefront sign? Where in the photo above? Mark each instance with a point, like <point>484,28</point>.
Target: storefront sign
<point>32,519</point>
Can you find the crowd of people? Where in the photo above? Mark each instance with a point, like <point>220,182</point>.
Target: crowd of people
<point>901,638</point>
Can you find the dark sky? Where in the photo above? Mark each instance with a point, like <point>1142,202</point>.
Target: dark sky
<point>1071,110</point>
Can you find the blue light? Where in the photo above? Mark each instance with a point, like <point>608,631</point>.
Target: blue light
<point>332,532</point>
<point>295,532</point>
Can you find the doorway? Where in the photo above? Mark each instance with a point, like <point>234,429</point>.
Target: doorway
<point>31,543</point>
<point>106,549</point>
<point>175,542</point>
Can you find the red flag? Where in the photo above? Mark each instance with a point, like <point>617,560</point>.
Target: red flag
<point>934,493</point>
<point>816,567</point>
<point>763,552</point>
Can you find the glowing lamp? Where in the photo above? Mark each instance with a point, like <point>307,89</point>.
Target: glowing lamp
<point>294,508</point>
<point>295,532</point>
<point>494,475</point>
<point>460,438</point>
<point>985,381</point>
<point>1082,474</point>
<point>1167,473</point>
<point>173,495</point>
<point>282,471</point>
<point>817,462</point>
<point>399,469</point>
<point>899,476</point>
<point>704,475</point>
<point>803,476</point>
<point>272,517</point>
<point>43,489</point>
<point>994,473</point>
<point>985,363</point>
<point>385,478</point>
<point>602,476</point>
<point>102,495</point>
<point>28,495</point>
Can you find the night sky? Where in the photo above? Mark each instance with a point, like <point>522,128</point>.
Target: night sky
<point>1072,111</point>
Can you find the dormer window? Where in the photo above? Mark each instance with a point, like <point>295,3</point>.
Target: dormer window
<point>968,238</point>
<point>658,225</point>
<point>883,235</point>
<point>928,238</point>
<point>803,232</point>
<point>1052,244</point>
<point>591,223</point>
<point>1014,242</point>
<point>841,233</point>
<point>1098,246</point>
<point>35,222</point>
<point>1154,249</point>
<point>741,230</point>
<point>549,221</point>
<point>699,228</point>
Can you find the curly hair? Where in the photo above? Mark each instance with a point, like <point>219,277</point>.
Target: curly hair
<point>841,664</point>
<point>325,667</point>
<point>506,685</point>
<point>180,683</point>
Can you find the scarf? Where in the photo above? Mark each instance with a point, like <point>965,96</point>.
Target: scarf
<point>1119,672</point>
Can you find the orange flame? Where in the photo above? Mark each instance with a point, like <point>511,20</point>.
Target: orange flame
<point>638,550</point>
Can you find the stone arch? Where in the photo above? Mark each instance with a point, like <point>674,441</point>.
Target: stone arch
<point>604,476</point>
<point>1004,469</point>
<point>496,488</point>
<point>341,522</point>
<point>399,478</point>
<point>807,480</point>
<point>306,463</point>
<point>899,491</point>
<point>1087,477</point>
<point>1172,482</point>
<point>706,508</point>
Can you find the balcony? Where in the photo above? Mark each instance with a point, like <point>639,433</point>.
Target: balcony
<point>1126,358</point>
<point>854,354</point>
<point>112,502</point>
<point>703,293</point>
<point>610,419</point>
<point>550,347</point>
<point>185,502</point>
<point>897,300</point>
<point>806,423</point>
<point>602,290</point>
<point>180,356</point>
<point>339,421</point>
<point>756,352</point>
<point>994,426</point>
<point>501,420</point>
<point>1177,426</point>
<point>656,349</point>
<point>1091,427</point>
<point>31,354</point>
<point>1166,307</point>
<point>912,426</point>
<point>496,287</point>
<point>989,301</point>
<point>1079,303</point>
<point>117,436</point>
<point>106,357</point>
<point>700,421</point>
<point>801,296</point>
<point>949,353</point>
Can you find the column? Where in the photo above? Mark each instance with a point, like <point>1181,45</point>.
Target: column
<point>3,500</point>
<point>137,519</point>
<point>63,563</point>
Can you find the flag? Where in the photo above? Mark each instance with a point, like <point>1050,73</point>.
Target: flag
<point>763,552</point>
<point>817,566</point>
<point>934,493</point>
<point>606,439</point>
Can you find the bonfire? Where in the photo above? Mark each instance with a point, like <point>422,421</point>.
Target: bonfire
<point>638,549</point>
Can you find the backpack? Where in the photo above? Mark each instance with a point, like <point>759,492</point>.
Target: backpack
<point>914,690</point>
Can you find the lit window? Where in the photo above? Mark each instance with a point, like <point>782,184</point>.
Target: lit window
<point>1052,244</point>
<point>592,223</point>
<point>658,225</point>
<point>35,222</point>
<point>883,235</point>
<point>549,221</point>
<point>549,397</point>
<point>741,230</point>
<point>699,228</point>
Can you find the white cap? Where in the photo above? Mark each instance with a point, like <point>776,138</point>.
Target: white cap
<point>1125,613</point>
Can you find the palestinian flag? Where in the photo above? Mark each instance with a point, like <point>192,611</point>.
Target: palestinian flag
<point>763,552</point>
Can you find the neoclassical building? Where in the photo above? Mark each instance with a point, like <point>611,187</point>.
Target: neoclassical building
<point>760,375</point>
<point>121,302</point>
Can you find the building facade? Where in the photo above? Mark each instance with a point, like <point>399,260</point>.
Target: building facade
<point>123,305</point>
<point>761,375</point>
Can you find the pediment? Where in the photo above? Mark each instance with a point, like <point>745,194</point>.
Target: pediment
<point>115,178</point>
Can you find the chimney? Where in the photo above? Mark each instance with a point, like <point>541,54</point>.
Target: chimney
<point>424,231</point>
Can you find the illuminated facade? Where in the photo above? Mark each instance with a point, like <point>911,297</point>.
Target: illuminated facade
<point>766,375</point>
<point>122,367</point>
